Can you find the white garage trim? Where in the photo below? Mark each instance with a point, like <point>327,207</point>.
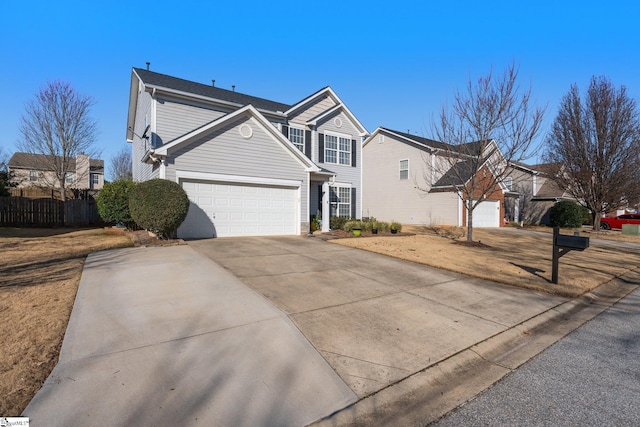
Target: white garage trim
<point>204,176</point>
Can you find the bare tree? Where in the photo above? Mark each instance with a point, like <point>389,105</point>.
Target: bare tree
<point>595,145</point>
<point>489,126</point>
<point>57,126</point>
<point>121,165</point>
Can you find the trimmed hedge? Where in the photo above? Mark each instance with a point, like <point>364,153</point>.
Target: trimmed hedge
<point>568,214</point>
<point>113,202</point>
<point>159,206</point>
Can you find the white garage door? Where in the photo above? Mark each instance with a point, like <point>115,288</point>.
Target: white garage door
<point>221,209</point>
<point>487,214</point>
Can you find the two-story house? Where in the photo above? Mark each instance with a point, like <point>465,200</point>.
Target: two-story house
<point>413,180</point>
<point>249,165</point>
<point>38,170</point>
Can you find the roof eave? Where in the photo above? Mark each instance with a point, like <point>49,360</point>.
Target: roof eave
<point>220,102</point>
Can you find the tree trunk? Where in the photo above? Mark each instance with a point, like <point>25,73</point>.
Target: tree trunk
<point>469,224</point>
<point>596,221</point>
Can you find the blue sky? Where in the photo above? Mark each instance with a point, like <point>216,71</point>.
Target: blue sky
<point>393,63</point>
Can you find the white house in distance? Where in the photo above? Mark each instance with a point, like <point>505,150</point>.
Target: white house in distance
<point>250,166</point>
<point>404,180</point>
<point>34,170</point>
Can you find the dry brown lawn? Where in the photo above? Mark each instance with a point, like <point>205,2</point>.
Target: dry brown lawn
<point>39,275</point>
<point>515,259</point>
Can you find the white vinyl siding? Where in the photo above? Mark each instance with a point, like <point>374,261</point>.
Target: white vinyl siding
<point>141,171</point>
<point>225,152</point>
<point>175,119</point>
<point>312,110</point>
<point>387,197</point>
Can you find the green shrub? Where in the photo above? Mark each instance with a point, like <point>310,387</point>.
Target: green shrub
<point>337,222</point>
<point>113,203</point>
<point>159,206</point>
<point>3,190</point>
<point>382,226</point>
<point>568,214</point>
<point>351,224</point>
<point>395,226</point>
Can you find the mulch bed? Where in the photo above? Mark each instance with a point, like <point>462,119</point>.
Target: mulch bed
<point>341,234</point>
<point>144,238</point>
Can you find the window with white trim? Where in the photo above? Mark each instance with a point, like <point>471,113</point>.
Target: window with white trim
<point>95,179</point>
<point>340,199</point>
<point>404,169</point>
<point>68,177</point>
<point>296,136</point>
<point>337,149</point>
<point>33,175</point>
<point>508,182</point>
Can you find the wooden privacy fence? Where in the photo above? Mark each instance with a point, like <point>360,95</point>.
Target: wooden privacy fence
<point>26,212</point>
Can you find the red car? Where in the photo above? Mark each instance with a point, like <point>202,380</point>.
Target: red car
<point>616,222</point>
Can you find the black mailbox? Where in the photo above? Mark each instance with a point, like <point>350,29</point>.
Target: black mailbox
<point>572,242</point>
<point>563,244</point>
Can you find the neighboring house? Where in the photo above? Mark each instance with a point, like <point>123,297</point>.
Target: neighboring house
<point>250,166</point>
<point>548,194</point>
<point>405,179</point>
<point>34,170</point>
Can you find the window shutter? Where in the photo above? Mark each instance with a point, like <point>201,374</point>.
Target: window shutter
<point>285,131</point>
<point>353,202</point>
<point>354,145</point>
<point>321,147</point>
<point>307,143</point>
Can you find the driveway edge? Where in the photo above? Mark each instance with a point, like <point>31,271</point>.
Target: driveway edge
<point>427,395</point>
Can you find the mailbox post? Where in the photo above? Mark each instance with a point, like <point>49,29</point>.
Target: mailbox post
<point>563,244</point>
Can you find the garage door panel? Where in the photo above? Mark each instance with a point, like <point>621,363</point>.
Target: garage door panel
<point>487,214</point>
<point>223,209</point>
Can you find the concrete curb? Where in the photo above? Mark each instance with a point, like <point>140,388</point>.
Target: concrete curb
<point>427,395</point>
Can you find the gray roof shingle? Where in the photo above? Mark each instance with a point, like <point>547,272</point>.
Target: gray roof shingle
<point>208,91</point>
<point>470,148</point>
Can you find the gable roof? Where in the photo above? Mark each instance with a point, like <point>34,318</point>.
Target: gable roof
<point>21,160</point>
<point>248,110</point>
<point>340,106</point>
<point>430,144</point>
<point>157,80</point>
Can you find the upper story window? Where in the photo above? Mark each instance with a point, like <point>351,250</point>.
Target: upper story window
<point>508,182</point>
<point>68,177</point>
<point>296,136</point>
<point>404,169</point>
<point>337,149</point>
<point>33,175</point>
<point>95,179</point>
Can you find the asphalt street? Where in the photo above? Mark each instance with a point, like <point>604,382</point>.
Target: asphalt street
<point>589,378</point>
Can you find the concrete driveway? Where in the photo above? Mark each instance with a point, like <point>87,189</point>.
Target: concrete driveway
<point>163,336</point>
<point>383,323</point>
